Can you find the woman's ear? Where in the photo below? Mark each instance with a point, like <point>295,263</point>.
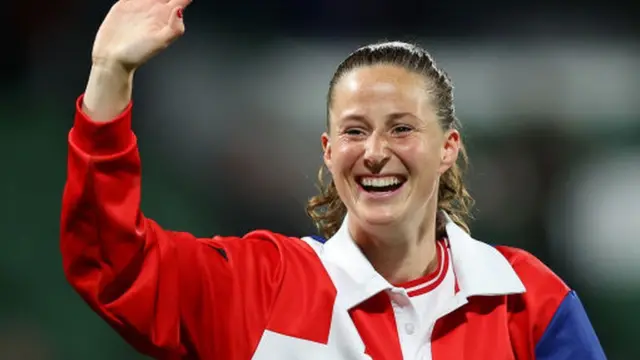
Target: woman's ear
<point>450,150</point>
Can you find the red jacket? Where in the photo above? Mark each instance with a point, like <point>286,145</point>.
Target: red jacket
<point>269,296</point>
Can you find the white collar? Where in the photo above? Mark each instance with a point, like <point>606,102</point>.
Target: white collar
<point>480,269</point>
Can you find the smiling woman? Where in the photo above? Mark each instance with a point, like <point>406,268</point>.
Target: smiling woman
<point>397,275</point>
<point>389,99</point>
<point>392,136</point>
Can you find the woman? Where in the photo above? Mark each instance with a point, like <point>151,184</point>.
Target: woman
<point>398,278</point>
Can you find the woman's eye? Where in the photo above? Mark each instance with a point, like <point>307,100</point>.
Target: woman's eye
<point>401,129</point>
<point>354,132</point>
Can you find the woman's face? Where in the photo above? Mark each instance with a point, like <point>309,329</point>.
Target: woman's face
<point>385,148</point>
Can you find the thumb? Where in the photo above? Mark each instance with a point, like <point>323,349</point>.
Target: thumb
<point>176,22</point>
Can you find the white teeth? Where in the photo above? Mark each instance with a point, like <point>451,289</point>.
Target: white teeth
<point>380,181</point>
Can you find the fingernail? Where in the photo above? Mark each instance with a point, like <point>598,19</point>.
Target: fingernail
<point>180,13</point>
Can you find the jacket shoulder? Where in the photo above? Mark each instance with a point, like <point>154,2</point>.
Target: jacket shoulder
<point>531,312</point>
<point>306,290</point>
<point>534,274</point>
<point>261,240</point>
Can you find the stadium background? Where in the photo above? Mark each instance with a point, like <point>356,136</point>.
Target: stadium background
<point>229,120</point>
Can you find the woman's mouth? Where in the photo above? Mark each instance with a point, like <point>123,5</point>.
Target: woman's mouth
<point>381,184</point>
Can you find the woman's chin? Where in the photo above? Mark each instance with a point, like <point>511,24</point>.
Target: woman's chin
<point>380,215</point>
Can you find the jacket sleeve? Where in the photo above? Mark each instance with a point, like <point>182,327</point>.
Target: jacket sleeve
<point>548,321</point>
<point>569,335</point>
<point>161,290</point>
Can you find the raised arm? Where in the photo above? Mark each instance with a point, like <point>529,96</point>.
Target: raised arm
<point>167,293</point>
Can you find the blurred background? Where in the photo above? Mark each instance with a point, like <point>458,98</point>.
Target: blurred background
<point>229,121</point>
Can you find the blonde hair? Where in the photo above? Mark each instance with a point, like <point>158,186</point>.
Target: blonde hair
<point>327,209</point>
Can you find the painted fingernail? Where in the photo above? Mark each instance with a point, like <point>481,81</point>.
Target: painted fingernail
<point>180,13</point>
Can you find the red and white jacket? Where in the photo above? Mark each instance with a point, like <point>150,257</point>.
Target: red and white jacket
<point>270,296</point>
